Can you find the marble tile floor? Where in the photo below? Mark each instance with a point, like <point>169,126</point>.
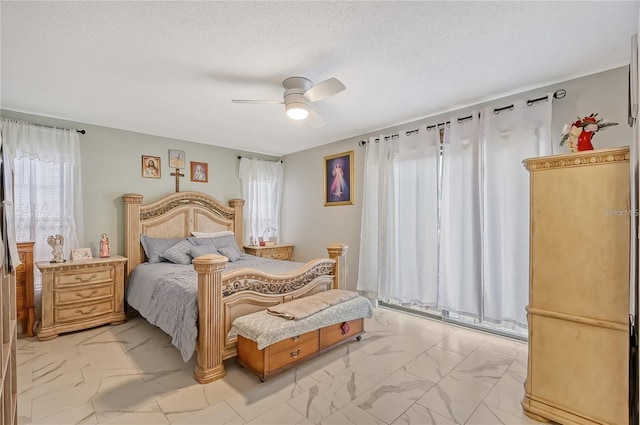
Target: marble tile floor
<point>405,370</point>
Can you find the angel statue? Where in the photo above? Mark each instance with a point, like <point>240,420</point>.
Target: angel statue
<point>56,242</point>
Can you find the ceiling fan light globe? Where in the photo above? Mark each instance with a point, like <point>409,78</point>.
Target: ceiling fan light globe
<point>297,111</point>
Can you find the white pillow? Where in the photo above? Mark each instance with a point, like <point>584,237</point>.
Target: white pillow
<point>212,235</point>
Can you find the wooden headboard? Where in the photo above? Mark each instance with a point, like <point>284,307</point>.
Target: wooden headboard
<point>176,216</point>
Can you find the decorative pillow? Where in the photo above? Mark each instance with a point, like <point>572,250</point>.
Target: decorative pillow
<point>227,241</point>
<point>230,253</point>
<point>211,235</point>
<point>179,253</point>
<point>197,251</point>
<point>155,247</point>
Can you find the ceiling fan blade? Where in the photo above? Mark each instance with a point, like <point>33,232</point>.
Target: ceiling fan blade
<point>314,120</point>
<point>267,102</point>
<point>324,89</point>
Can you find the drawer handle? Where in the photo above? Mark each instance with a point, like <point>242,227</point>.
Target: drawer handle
<point>91,310</point>
<point>295,354</point>
<point>295,338</point>
<point>93,276</point>
<point>79,294</point>
<point>345,328</point>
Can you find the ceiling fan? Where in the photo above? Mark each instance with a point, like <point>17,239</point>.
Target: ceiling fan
<point>299,93</point>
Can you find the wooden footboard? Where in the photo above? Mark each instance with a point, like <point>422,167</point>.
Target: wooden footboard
<point>222,296</point>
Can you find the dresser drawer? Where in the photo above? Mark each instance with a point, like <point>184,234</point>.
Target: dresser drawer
<point>82,312</point>
<point>84,276</point>
<point>94,292</point>
<point>334,333</point>
<point>292,354</point>
<point>21,302</point>
<point>20,286</point>
<point>287,344</point>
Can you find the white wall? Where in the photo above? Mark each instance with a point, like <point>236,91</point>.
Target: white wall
<point>311,226</point>
<point>111,166</point>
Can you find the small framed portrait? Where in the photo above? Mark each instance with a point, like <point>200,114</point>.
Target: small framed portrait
<point>338,179</point>
<point>81,254</point>
<point>199,172</point>
<point>151,166</point>
<point>176,158</point>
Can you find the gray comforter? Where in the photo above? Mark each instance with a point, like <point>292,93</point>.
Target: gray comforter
<point>166,294</point>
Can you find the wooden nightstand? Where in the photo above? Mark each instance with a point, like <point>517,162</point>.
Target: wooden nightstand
<point>81,294</point>
<point>279,252</point>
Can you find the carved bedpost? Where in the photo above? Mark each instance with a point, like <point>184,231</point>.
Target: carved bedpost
<point>211,336</point>
<point>238,224</point>
<point>132,203</point>
<point>338,252</point>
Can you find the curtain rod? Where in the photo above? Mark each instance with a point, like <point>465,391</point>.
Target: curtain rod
<point>558,94</point>
<point>59,128</point>
<point>240,157</point>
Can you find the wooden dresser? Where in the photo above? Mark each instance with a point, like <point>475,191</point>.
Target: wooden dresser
<point>578,312</point>
<point>278,252</point>
<point>26,312</point>
<point>81,294</point>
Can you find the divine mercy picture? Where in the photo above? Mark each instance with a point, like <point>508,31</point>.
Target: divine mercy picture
<point>338,179</point>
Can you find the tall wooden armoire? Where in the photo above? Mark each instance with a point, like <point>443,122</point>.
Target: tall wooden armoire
<point>578,312</point>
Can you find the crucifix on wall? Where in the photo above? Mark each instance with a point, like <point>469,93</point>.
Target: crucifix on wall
<point>178,174</point>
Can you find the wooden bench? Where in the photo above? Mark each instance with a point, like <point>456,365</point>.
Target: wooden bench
<point>332,327</point>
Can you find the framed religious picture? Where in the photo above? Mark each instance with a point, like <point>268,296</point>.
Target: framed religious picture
<point>151,166</point>
<point>199,172</point>
<point>338,179</point>
<point>176,158</point>
<point>81,254</point>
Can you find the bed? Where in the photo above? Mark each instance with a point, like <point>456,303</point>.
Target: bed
<point>222,294</point>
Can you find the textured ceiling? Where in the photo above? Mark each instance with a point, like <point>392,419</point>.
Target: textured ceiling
<point>172,68</point>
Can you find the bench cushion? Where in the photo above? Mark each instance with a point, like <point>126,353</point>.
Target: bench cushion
<point>266,329</point>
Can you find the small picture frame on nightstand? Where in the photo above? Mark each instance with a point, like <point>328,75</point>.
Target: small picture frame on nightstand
<point>81,254</point>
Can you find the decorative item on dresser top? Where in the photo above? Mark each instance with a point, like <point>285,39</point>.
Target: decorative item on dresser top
<point>579,288</point>
<point>81,294</point>
<point>212,283</point>
<point>279,252</point>
<point>26,312</point>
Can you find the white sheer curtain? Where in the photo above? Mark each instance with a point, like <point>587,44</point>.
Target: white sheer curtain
<point>459,285</point>
<point>467,254</point>
<point>509,137</point>
<point>262,193</point>
<point>372,265</point>
<point>47,186</point>
<point>398,254</point>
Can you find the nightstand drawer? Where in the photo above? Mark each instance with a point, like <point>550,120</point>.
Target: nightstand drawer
<point>277,255</point>
<point>84,276</point>
<point>81,312</point>
<point>61,297</point>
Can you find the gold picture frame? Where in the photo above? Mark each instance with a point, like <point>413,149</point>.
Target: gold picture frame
<point>338,179</point>
<point>199,172</point>
<point>151,167</point>
<point>176,158</point>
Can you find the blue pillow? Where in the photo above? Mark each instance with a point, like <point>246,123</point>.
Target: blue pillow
<point>197,251</point>
<point>230,253</point>
<point>155,247</point>
<point>226,242</point>
<point>179,253</point>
